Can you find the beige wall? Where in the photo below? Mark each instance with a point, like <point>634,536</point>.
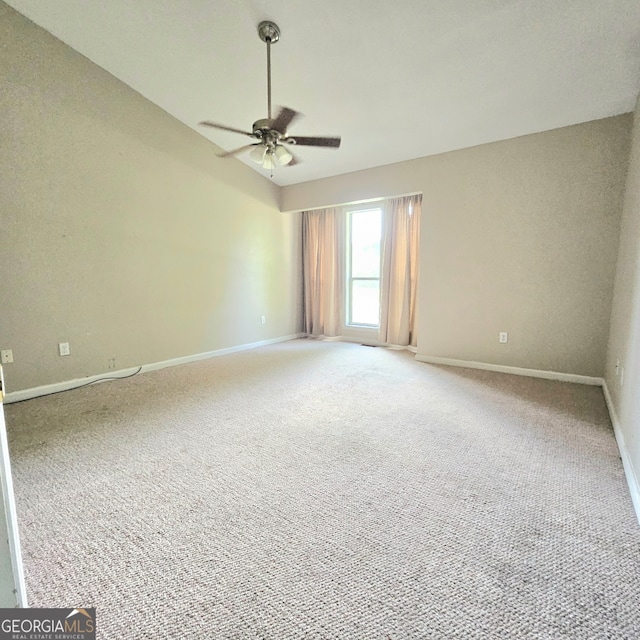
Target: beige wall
<point>518,236</point>
<point>624,341</point>
<point>121,232</point>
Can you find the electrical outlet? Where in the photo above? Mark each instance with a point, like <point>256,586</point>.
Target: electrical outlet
<point>63,349</point>
<point>503,337</point>
<point>6,356</point>
<point>111,363</point>
<point>263,319</point>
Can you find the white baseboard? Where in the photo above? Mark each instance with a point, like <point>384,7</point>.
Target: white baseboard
<point>632,479</point>
<point>66,385</point>
<point>516,371</point>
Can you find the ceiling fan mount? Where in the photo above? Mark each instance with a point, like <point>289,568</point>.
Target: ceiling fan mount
<point>271,133</point>
<point>269,31</point>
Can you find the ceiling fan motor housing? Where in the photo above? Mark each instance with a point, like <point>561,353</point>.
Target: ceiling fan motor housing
<point>261,126</point>
<point>268,136</point>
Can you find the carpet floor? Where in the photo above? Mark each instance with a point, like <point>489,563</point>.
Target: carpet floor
<point>311,490</point>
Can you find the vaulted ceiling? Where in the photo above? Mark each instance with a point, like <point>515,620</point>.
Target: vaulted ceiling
<point>397,80</point>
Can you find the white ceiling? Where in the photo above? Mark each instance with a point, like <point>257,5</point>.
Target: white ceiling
<point>397,80</point>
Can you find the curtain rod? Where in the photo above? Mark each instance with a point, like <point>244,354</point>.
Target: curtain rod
<point>354,202</point>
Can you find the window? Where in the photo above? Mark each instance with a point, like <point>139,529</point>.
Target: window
<point>363,267</point>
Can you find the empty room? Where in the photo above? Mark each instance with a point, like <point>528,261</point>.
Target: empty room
<point>320,320</point>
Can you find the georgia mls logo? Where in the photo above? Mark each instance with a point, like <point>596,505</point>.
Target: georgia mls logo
<point>76,625</point>
<point>47,624</point>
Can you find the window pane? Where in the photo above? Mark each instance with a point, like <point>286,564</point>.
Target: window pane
<point>365,243</point>
<point>365,302</point>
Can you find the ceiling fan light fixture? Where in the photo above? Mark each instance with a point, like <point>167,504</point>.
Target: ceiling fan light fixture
<point>268,159</point>
<point>258,153</point>
<point>282,155</point>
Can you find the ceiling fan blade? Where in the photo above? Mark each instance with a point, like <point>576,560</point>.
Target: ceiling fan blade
<point>313,142</point>
<point>233,152</point>
<point>284,118</point>
<point>215,125</point>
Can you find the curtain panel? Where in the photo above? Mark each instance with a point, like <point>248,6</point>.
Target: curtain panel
<point>400,260</point>
<point>323,247</point>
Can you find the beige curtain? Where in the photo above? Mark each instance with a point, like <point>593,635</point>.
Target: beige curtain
<point>323,271</point>
<point>401,235</point>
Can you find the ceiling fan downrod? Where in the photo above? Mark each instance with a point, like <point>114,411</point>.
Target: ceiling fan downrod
<point>269,32</point>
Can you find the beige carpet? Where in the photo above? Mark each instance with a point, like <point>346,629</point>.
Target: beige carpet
<point>313,490</point>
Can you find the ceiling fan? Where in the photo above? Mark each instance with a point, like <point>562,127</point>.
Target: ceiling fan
<point>271,133</point>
